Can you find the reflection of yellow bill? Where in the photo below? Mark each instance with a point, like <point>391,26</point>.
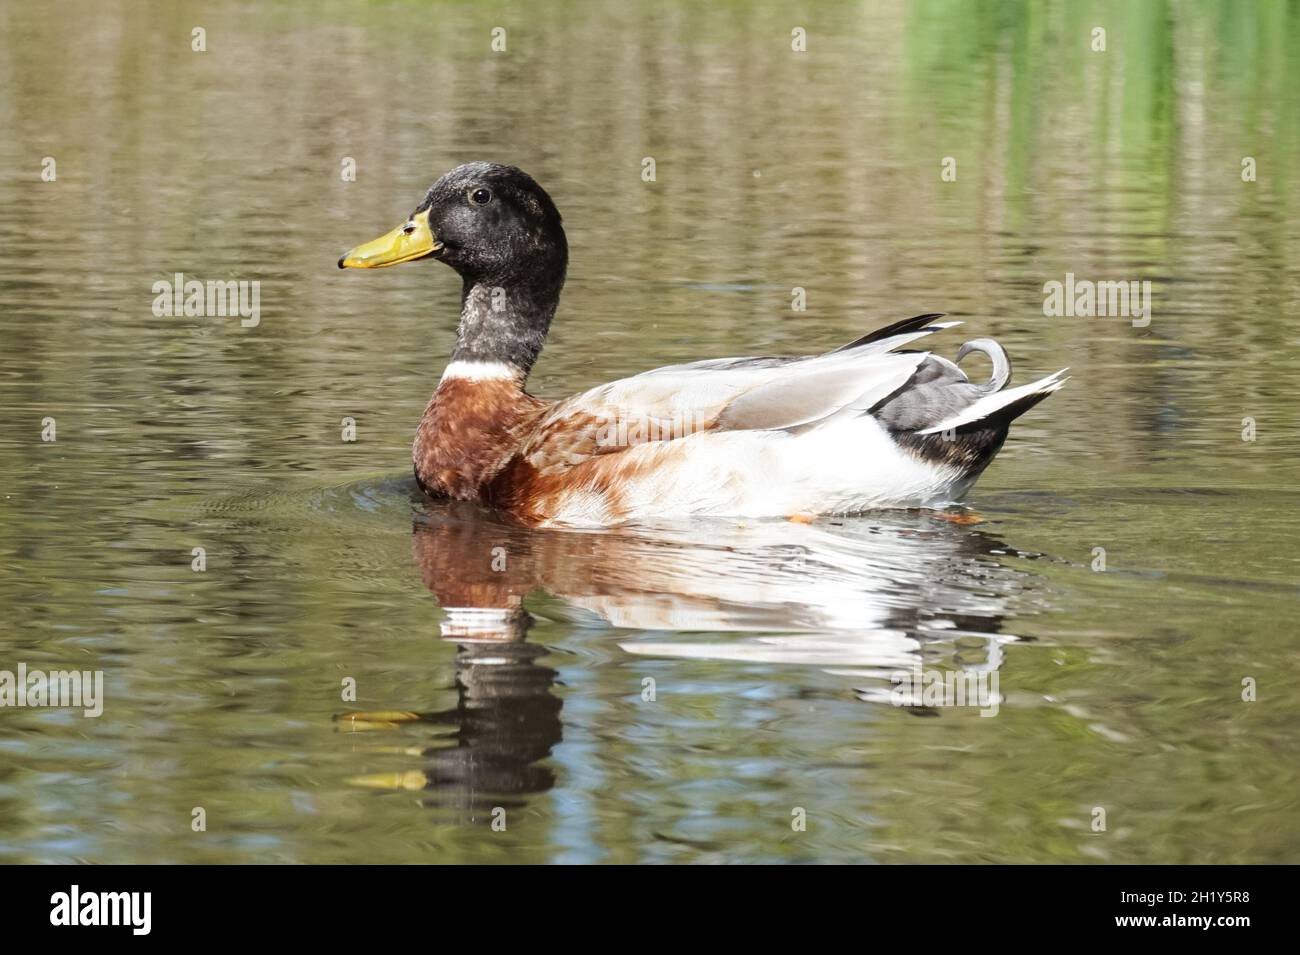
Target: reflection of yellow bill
<point>411,240</point>
<point>375,720</point>
<point>412,779</point>
<point>398,750</point>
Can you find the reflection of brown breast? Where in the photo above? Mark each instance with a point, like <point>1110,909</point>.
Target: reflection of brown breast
<point>470,430</point>
<point>475,563</point>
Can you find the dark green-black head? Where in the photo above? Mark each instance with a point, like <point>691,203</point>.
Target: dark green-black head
<point>501,232</point>
<point>493,224</point>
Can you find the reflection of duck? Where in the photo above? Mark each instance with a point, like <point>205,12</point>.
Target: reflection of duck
<point>506,721</point>
<point>862,599</point>
<point>866,425</point>
<point>863,593</point>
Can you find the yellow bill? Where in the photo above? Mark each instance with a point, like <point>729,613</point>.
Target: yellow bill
<point>411,240</point>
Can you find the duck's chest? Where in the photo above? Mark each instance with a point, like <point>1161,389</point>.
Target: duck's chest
<point>469,432</point>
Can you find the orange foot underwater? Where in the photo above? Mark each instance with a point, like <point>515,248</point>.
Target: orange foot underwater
<point>956,517</point>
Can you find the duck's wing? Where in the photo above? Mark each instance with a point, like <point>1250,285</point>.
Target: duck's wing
<point>731,394</point>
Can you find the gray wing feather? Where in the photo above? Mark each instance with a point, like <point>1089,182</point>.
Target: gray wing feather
<point>797,400</point>
<point>940,390</point>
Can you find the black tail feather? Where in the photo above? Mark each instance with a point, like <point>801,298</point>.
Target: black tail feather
<point>898,328</point>
<point>1002,417</point>
<point>969,447</point>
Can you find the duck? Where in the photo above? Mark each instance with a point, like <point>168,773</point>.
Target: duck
<point>869,425</point>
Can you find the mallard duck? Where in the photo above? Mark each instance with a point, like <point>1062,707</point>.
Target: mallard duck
<point>868,425</point>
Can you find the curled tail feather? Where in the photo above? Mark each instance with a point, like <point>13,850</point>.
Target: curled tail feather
<point>997,354</point>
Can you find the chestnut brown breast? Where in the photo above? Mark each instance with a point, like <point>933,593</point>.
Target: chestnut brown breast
<point>469,432</point>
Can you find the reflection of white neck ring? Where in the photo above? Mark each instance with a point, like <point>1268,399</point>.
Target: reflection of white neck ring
<point>469,624</point>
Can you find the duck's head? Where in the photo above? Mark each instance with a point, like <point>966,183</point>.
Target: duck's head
<point>501,232</point>
<point>491,223</point>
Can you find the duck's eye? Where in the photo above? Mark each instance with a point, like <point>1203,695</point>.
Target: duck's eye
<point>480,197</point>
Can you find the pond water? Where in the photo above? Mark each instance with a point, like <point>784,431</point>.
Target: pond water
<point>713,691</point>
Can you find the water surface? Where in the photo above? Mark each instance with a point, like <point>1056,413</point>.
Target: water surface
<point>504,670</point>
